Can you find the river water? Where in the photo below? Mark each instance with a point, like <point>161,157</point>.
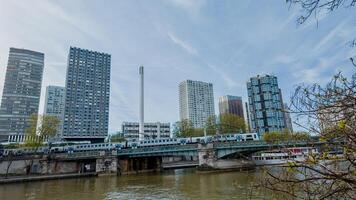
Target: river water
<point>174,184</point>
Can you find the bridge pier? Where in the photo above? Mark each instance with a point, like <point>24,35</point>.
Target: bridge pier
<point>139,165</point>
<point>106,165</point>
<point>209,160</point>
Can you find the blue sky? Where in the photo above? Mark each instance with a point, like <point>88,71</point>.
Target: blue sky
<point>222,42</point>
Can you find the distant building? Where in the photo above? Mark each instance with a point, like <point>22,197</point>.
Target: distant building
<point>54,104</point>
<point>232,105</point>
<point>287,118</point>
<point>248,122</point>
<point>86,113</point>
<point>155,130</point>
<point>196,102</point>
<point>22,90</point>
<point>265,104</point>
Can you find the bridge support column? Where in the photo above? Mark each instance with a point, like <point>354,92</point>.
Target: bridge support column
<point>207,156</point>
<point>106,165</point>
<point>209,160</point>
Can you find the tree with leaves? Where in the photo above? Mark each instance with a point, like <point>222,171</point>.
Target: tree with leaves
<point>40,127</point>
<point>230,123</point>
<point>285,135</point>
<point>184,128</point>
<point>328,111</point>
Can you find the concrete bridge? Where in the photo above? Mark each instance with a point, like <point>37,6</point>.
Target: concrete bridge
<point>222,149</point>
<point>126,161</point>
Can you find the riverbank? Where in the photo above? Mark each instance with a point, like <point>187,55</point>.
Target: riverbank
<point>20,179</point>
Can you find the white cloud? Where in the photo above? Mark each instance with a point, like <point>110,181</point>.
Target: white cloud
<point>184,45</point>
<point>226,78</point>
<point>330,36</point>
<point>189,5</point>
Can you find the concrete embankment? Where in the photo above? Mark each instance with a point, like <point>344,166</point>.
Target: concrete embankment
<point>20,179</point>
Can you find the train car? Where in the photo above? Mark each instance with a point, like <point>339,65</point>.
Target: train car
<point>93,147</point>
<point>158,142</point>
<point>239,137</point>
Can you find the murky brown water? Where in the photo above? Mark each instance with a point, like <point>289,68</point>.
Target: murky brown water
<point>175,184</point>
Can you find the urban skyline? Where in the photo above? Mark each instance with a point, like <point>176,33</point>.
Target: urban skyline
<point>301,54</point>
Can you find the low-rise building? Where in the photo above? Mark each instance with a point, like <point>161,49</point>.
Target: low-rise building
<point>152,130</point>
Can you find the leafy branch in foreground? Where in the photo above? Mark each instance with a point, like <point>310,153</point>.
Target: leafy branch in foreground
<point>330,112</point>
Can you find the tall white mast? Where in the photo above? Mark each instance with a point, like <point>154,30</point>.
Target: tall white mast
<point>141,126</point>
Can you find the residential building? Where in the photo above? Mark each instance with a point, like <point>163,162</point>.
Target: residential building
<point>232,105</point>
<point>54,105</point>
<point>86,113</point>
<point>22,89</point>
<point>151,130</point>
<point>265,104</point>
<point>196,102</point>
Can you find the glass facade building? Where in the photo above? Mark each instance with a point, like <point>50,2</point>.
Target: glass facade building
<point>22,90</point>
<point>196,102</point>
<point>265,104</point>
<point>232,105</point>
<point>86,113</point>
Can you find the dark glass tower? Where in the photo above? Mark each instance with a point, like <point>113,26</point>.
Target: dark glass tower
<point>86,113</point>
<point>232,105</point>
<point>22,90</point>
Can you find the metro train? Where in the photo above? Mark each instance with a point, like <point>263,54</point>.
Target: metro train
<point>70,148</point>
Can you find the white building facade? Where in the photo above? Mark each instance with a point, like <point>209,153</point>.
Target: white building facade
<point>154,130</point>
<point>54,104</point>
<point>196,102</point>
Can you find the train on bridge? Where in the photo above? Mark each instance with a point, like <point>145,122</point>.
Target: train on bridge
<point>64,147</point>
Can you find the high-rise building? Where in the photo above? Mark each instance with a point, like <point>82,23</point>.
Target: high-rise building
<point>54,104</point>
<point>151,130</point>
<point>287,118</point>
<point>248,122</point>
<point>86,113</point>
<point>265,104</point>
<point>22,90</point>
<point>232,105</point>
<point>196,102</point>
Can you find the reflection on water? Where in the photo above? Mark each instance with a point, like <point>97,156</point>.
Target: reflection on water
<point>177,184</point>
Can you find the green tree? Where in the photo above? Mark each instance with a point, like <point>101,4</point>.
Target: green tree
<point>211,125</point>
<point>285,135</point>
<point>40,127</point>
<point>185,128</point>
<point>230,123</point>
<point>117,137</point>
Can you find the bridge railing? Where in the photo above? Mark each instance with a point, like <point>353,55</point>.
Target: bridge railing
<point>158,149</point>
<point>264,143</point>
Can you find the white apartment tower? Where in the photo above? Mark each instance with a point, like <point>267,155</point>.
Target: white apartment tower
<point>54,105</point>
<point>196,102</point>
